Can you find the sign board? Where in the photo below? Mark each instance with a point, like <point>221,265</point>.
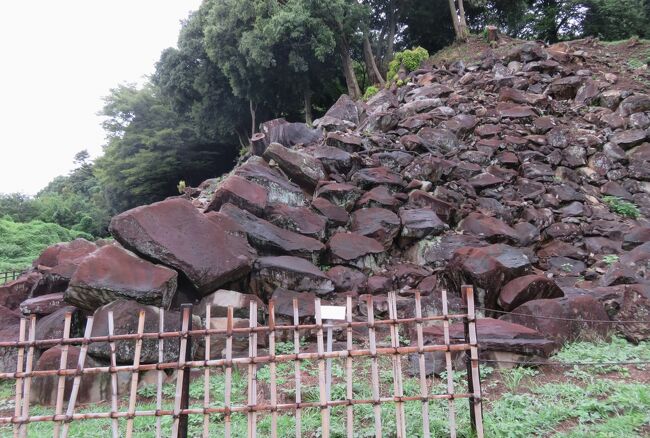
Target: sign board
<point>333,312</point>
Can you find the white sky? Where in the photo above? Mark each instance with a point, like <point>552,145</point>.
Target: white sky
<point>58,58</point>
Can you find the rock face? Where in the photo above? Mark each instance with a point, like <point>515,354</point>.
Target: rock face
<point>291,273</point>
<point>93,388</point>
<point>524,174</point>
<point>9,330</point>
<point>112,273</point>
<point>175,234</point>
<point>125,317</point>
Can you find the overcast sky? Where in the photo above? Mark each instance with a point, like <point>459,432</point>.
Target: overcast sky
<point>59,58</point>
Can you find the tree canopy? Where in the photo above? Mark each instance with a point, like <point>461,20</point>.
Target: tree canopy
<point>241,62</point>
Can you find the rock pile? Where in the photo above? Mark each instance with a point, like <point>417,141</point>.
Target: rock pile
<point>526,175</point>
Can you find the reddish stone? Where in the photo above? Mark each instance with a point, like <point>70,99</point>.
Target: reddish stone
<point>43,305</point>
<point>377,223</point>
<point>347,279</point>
<point>280,189</point>
<point>291,273</point>
<point>340,194</point>
<point>347,142</point>
<point>17,291</point>
<point>488,269</point>
<point>240,192</point>
<point>379,196</point>
<point>514,111</point>
<point>420,222</point>
<point>9,330</point>
<point>271,239</point>
<point>57,264</point>
<point>174,233</point>
<point>421,199</point>
<point>371,177</point>
<point>112,273</point>
<point>527,288</point>
<point>334,214</point>
<point>355,250</point>
<point>572,309</point>
<point>300,167</point>
<point>301,220</point>
<point>490,228</point>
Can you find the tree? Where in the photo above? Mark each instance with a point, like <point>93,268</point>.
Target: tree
<point>151,147</point>
<point>616,19</point>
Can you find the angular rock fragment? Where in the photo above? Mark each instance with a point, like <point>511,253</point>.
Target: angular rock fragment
<point>491,229</point>
<point>240,192</point>
<point>287,272</point>
<point>220,300</point>
<point>355,250</point>
<point>175,234</point>
<point>420,223</point>
<point>112,273</point>
<point>377,223</point>
<point>340,194</point>
<point>300,220</point>
<point>374,176</point>
<point>488,269</point>
<point>271,239</point>
<point>280,190</point>
<point>300,167</point>
<point>125,317</point>
<point>43,305</point>
<point>527,288</point>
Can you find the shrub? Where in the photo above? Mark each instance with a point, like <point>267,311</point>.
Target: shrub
<point>624,208</point>
<point>410,59</point>
<point>370,91</point>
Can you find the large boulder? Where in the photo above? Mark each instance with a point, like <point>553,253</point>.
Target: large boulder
<point>273,240</point>
<point>17,291</point>
<point>219,301</point>
<point>356,250</point>
<point>93,388</point>
<point>300,167</point>
<point>488,269</point>
<point>559,318</point>
<point>125,318</point>
<point>527,288</point>
<point>377,223</point>
<point>43,305</point>
<point>240,192</point>
<point>176,234</point>
<point>9,330</point>
<point>287,272</point>
<point>112,273</point>
<point>280,189</point>
<point>288,134</point>
<point>58,263</point>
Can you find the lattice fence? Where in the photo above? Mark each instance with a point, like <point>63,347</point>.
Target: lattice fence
<point>6,277</point>
<point>358,342</point>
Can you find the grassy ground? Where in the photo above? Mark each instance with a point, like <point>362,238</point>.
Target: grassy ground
<point>554,401</point>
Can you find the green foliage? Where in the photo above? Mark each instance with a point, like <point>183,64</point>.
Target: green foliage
<point>411,59</point>
<point>610,259</point>
<point>616,19</point>
<point>624,208</point>
<point>21,243</point>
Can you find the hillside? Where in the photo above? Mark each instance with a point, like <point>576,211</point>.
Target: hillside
<point>519,168</point>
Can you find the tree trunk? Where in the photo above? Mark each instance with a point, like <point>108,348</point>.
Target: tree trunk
<point>454,18</point>
<point>371,66</point>
<point>348,70</point>
<point>390,44</point>
<point>252,109</point>
<point>464,32</point>
<point>307,101</point>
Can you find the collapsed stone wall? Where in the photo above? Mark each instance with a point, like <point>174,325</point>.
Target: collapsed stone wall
<point>492,174</point>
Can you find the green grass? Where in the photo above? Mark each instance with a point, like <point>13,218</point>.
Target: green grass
<point>624,208</point>
<point>597,402</point>
<point>21,243</point>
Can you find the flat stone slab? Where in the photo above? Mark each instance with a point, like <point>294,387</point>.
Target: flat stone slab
<point>273,240</point>
<point>302,168</point>
<point>174,233</point>
<point>355,250</point>
<point>112,273</point>
<point>240,192</point>
<point>291,273</point>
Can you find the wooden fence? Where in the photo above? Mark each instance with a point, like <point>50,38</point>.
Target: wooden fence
<point>359,342</point>
<point>6,277</point>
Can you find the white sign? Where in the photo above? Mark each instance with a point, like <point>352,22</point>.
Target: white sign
<point>333,312</point>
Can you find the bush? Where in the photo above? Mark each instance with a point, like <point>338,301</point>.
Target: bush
<point>410,59</point>
<point>370,91</point>
<point>21,243</point>
<point>624,208</point>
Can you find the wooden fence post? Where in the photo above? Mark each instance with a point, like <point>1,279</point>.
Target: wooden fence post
<point>185,325</point>
<point>472,362</point>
